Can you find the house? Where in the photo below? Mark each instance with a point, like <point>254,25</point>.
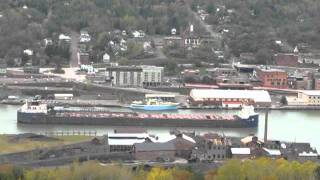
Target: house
<point>138,34</point>
<point>147,47</point>
<point>28,52</point>
<point>106,58</point>
<point>173,31</point>
<point>47,42</point>
<point>64,38</point>
<point>84,37</point>
<point>154,151</point>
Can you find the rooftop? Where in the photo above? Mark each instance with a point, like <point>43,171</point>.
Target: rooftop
<point>256,95</point>
<point>154,147</point>
<point>240,151</point>
<point>273,152</point>
<point>309,154</point>
<point>311,92</point>
<point>267,69</point>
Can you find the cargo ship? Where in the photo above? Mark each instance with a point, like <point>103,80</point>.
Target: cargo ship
<point>35,112</point>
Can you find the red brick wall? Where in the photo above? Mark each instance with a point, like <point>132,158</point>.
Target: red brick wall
<point>317,84</point>
<point>286,59</point>
<point>275,79</point>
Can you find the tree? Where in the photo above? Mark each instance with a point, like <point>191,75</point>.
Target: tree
<point>263,56</point>
<point>211,9</point>
<point>158,173</point>
<point>284,100</point>
<point>134,49</point>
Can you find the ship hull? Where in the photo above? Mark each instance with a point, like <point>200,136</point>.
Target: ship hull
<point>153,107</point>
<point>41,118</point>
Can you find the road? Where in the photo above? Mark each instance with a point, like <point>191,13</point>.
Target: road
<point>207,27</point>
<point>74,49</point>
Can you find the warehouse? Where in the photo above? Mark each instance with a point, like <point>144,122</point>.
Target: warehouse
<point>229,98</point>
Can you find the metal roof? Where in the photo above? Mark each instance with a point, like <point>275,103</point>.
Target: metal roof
<point>256,95</point>
<point>160,95</point>
<point>240,151</point>
<point>155,147</point>
<point>273,152</point>
<point>311,92</point>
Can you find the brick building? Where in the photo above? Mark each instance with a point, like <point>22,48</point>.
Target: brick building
<point>316,78</point>
<point>274,78</point>
<point>211,147</point>
<point>286,59</point>
<point>154,151</point>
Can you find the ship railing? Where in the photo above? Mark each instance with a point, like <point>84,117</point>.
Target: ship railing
<point>70,133</point>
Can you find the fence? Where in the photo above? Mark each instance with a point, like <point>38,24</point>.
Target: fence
<point>70,133</point>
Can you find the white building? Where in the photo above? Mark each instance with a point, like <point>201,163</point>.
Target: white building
<point>106,58</point>
<point>65,38</point>
<point>136,76</point>
<point>305,98</point>
<point>229,98</point>
<point>28,52</point>
<point>138,34</point>
<point>173,31</point>
<point>84,37</point>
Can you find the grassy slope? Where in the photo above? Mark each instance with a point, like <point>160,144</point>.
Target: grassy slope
<point>24,145</point>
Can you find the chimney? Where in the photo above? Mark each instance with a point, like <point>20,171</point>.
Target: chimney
<point>191,28</point>
<point>266,126</point>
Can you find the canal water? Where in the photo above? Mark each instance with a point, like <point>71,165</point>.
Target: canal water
<point>291,126</point>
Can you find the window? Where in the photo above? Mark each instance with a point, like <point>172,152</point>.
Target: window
<point>153,76</point>
<point>139,78</point>
<point>146,77</point>
<point>159,77</point>
<point>117,77</point>
<point>131,78</point>
<point>125,77</point>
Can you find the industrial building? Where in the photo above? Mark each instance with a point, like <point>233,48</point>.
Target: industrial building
<point>229,98</point>
<point>305,98</point>
<point>135,76</point>
<point>275,78</point>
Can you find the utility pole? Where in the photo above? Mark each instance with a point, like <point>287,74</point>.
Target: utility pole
<point>266,126</point>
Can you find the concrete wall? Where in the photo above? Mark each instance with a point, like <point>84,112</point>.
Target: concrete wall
<point>153,155</point>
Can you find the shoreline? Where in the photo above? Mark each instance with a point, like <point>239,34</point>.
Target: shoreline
<point>72,104</point>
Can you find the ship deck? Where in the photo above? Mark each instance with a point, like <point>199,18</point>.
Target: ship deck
<point>147,116</point>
